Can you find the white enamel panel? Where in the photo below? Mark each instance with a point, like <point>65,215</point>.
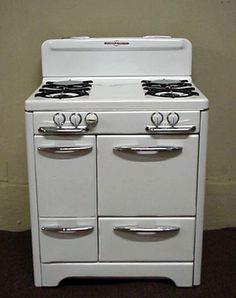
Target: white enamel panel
<point>33,198</point>
<point>132,184</point>
<point>96,57</point>
<point>66,183</point>
<point>125,122</point>
<point>200,198</point>
<point>180,272</point>
<point>162,246</point>
<point>78,247</point>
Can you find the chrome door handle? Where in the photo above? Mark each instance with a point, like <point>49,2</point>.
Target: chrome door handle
<point>170,129</point>
<point>155,149</point>
<point>154,230</point>
<point>64,150</point>
<point>63,131</point>
<point>72,230</point>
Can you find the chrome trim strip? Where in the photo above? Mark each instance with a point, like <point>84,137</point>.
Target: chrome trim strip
<point>64,150</point>
<point>133,149</point>
<point>154,230</point>
<point>63,131</point>
<point>170,129</point>
<point>67,230</point>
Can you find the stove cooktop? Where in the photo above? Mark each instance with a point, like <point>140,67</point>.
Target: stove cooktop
<point>116,93</point>
<point>159,88</point>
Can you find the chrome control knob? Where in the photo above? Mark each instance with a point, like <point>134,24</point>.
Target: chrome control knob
<point>156,118</point>
<point>75,119</point>
<point>91,119</point>
<point>173,118</point>
<point>59,119</point>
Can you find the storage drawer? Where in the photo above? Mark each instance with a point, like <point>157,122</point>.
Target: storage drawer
<point>68,240</point>
<point>146,239</point>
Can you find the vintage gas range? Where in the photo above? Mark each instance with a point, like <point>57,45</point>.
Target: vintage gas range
<point>116,146</point>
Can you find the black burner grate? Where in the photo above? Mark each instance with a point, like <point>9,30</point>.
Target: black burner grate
<point>169,88</point>
<point>64,89</point>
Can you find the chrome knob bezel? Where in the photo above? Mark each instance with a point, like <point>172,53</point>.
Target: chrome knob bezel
<point>157,114</point>
<point>79,117</point>
<point>63,121</point>
<point>172,114</point>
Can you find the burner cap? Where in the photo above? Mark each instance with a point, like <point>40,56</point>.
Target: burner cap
<point>69,83</point>
<point>165,82</point>
<point>64,95</point>
<point>172,94</point>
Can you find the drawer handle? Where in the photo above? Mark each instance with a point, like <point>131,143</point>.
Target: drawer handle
<point>171,130</point>
<point>130,149</point>
<point>155,230</point>
<point>72,230</point>
<point>62,131</point>
<point>64,150</point>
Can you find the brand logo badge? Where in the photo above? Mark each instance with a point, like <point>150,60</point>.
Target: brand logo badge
<point>116,43</point>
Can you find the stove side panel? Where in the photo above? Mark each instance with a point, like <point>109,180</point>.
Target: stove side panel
<point>33,198</point>
<point>200,197</point>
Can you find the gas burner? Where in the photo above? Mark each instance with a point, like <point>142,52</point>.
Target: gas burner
<point>64,89</point>
<point>164,83</point>
<point>169,88</point>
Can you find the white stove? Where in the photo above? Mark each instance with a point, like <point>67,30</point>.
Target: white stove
<point>116,144</point>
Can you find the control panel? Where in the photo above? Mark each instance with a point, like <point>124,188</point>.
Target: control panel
<point>117,122</point>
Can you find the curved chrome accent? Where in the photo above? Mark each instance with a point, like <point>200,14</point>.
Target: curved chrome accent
<point>170,129</point>
<point>64,150</point>
<point>154,230</point>
<point>63,131</point>
<point>63,119</point>
<point>75,117</point>
<point>159,118</point>
<point>169,118</point>
<point>68,230</point>
<point>155,149</point>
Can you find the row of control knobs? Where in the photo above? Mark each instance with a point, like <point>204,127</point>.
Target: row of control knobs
<point>91,119</point>
<point>172,118</point>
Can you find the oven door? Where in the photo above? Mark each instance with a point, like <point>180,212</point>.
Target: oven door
<point>147,175</point>
<point>66,175</point>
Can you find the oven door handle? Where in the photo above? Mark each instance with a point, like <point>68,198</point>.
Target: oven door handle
<point>171,130</point>
<point>146,231</point>
<point>67,230</point>
<point>64,150</point>
<point>140,149</point>
<point>63,131</point>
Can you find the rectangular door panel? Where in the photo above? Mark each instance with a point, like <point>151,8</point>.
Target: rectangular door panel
<point>147,175</point>
<point>66,175</point>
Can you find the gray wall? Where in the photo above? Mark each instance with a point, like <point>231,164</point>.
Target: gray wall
<point>209,24</point>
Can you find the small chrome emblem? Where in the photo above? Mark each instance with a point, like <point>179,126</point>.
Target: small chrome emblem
<point>116,43</point>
